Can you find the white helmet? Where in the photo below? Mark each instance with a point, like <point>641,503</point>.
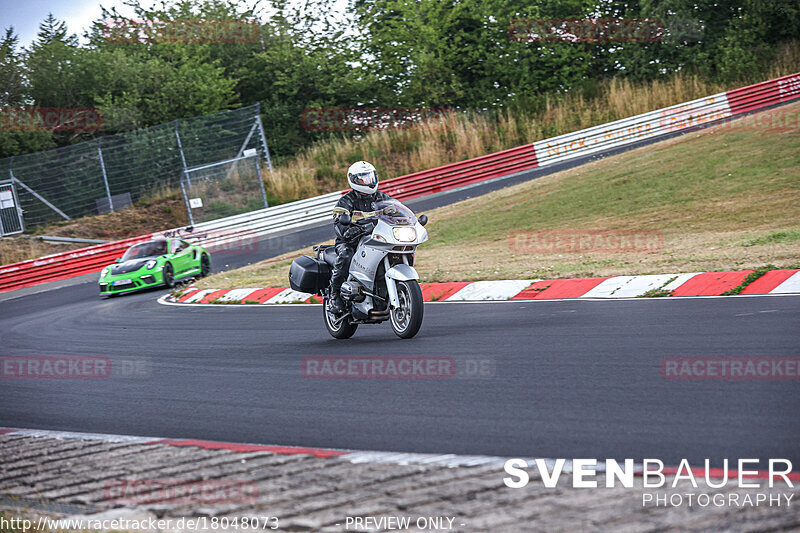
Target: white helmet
<point>363,177</point>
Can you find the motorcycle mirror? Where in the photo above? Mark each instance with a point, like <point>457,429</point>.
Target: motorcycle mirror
<point>344,218</point>
<point>423,219</point>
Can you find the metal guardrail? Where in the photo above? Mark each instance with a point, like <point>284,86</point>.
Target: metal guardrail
<point>312,211</point>
<point>633,129</point>
<point>68,240</point>
<point>280,219</point>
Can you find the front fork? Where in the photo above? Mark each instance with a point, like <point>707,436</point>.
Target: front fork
<point>401,272</point>
<point>391,287</point>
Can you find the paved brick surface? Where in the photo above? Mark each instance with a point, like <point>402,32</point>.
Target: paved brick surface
<point>70,477</point>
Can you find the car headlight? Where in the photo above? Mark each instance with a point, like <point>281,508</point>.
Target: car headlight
<point>104,272</point>
<point>406,234</point>
<point>151,264</point>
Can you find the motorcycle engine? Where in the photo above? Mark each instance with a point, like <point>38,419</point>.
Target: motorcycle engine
<point>353,291</point>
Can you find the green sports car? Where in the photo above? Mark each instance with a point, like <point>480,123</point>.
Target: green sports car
<point>155,263</point>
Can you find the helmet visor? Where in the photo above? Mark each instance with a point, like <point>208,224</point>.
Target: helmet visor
<point>367,179</point>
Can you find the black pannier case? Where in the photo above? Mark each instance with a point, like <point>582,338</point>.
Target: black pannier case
<point>309,275</point>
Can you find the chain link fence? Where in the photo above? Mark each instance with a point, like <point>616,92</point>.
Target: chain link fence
<point>224,189</point>
<point>112,172</point>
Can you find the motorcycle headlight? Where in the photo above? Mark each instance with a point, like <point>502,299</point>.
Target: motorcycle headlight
<point>151,264</point>
<point>405,234</point>
<point>379,238</point>
<point>104,272</point>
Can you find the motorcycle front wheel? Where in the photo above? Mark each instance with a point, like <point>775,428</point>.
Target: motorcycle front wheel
<point>341,330</point>
<point>406,319</point>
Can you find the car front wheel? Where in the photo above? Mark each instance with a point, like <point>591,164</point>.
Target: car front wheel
<point>169,276</point>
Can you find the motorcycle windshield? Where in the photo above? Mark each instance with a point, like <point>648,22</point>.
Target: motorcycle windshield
<point>394,213</point>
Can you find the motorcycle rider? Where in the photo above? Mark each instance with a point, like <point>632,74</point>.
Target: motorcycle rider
<point>358,204</point>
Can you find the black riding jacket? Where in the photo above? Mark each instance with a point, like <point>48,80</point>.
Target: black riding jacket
<point>356,205</point>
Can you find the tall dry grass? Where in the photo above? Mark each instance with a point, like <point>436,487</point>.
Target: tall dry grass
<point>15,249</point>
<point>455,137</point>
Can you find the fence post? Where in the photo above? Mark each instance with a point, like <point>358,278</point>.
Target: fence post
<point>183,157</point>
<point>105,176</point>
<point>20,213</point>
<point>263,137</point>
<point>19,210</point>
<point>2,232</point>
<point>186,200</point>
<point>11,175</point>
<point>261,182</point>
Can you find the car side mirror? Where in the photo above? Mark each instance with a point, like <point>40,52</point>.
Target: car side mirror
<point>344,218</point>
<point>423,219</point>
<point>118,260</point>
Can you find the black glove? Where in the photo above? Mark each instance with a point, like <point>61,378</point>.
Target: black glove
<point>352,232</point>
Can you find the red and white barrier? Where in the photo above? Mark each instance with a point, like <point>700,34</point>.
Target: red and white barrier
<point>589,141</point>
<point>784,281</point>
<point>64,265</point>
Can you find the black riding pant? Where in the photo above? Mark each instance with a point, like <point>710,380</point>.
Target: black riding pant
<point>344,253</point>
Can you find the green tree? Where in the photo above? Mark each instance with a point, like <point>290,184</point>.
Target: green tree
<point>463,54</point>
<point>13,93</point>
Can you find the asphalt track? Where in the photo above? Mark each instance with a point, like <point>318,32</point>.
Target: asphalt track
<point>567,379</point>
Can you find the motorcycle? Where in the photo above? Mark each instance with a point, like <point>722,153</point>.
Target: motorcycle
<point>382,283</point>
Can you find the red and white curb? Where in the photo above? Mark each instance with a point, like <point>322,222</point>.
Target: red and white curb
<point>781,281</point>
<point>358,457</point>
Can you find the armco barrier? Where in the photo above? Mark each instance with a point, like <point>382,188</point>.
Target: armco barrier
<point>64,265</point>
<point>633,129</point>
<point>272,220</point>
<point>764,94</point>
<point>290,217</point>
<point>462,173</point>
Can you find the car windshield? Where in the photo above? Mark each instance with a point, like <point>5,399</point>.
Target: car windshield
<point>394,213</point>
<point>148,249</point>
